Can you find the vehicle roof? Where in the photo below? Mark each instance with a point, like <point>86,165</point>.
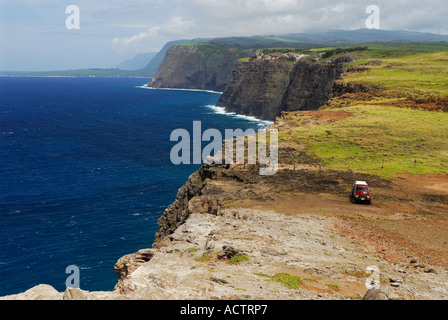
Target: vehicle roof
<point>361,183</point>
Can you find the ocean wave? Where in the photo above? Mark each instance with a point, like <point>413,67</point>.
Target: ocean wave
<point>222,110</point>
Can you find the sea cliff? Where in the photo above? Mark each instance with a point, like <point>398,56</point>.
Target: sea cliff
<point>269,85</point>
<point>253,83</point>
<point>198,66</point>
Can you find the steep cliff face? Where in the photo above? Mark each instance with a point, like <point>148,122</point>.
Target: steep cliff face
<point>264,88</point>
<point>199,66</point>
<point>178,212</point>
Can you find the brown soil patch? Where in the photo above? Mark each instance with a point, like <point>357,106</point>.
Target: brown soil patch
<point>315,117</point>
<point>431,183</point>
<point>350,92</point>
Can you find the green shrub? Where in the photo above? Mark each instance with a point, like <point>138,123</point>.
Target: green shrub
<point>239,258</point>
<point>289,281</point>
<point>203,259</point>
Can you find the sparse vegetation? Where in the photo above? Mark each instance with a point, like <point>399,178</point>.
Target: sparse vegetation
<point>203,259</point>
<point>310,279</point>
<point>247,59</point>
<point>262,275</point>
<point>333,286</point>
<point>336,51</point>
<point>238,259</point>
<point>289,281</point>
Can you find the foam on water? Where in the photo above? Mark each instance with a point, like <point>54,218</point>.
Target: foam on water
<point>222,110</point>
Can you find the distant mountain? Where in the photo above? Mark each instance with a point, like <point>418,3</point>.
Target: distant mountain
<point>138,62</point>
<point>152,67</point>
<point>365,35</point>
<point>330,38</point>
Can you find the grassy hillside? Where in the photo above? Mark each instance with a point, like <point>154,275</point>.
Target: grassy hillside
<point>420,73</point>
<point>392,119</point>
<point>407,140</point>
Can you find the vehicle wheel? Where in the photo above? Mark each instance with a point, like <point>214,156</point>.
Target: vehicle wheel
<point>369,202</point>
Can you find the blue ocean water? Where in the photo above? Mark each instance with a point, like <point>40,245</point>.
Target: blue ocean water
<point>85,173</point>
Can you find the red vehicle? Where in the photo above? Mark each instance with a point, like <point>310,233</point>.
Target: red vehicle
<point>360,193</point>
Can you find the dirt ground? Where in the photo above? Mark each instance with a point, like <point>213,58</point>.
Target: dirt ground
<point>406,226</point>
<point>408,218</point>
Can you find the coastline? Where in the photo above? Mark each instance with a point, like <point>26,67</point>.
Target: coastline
<point>222,110</point>
<point>271,224</point>
<point>221,251</point>
<point>218,110</point>
<point>179,89</point>
<point>195,96</point>
<point>234,235</point>
<point>73,76</point>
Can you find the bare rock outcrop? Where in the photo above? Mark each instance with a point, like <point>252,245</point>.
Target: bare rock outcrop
<point>241,253</point>
<point>195,195</point>
<point>131,262</point>
<point>74,294</point>
<point>40,292</point>
<point>376,294</point>
<point>248,254</point>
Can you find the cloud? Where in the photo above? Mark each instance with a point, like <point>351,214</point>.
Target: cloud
<point>137,43</point>
<point>136,26</point>
<point>176,26</point>
<point>289,16</point>
<point>179,19</point>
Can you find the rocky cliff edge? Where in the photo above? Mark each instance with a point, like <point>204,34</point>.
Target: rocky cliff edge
<point>222,239</point>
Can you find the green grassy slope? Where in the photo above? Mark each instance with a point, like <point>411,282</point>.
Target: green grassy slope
<point>399,127</point>
<point>407,140</point>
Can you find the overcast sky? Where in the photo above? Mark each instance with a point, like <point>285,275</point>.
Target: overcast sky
<point>34,36</point>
